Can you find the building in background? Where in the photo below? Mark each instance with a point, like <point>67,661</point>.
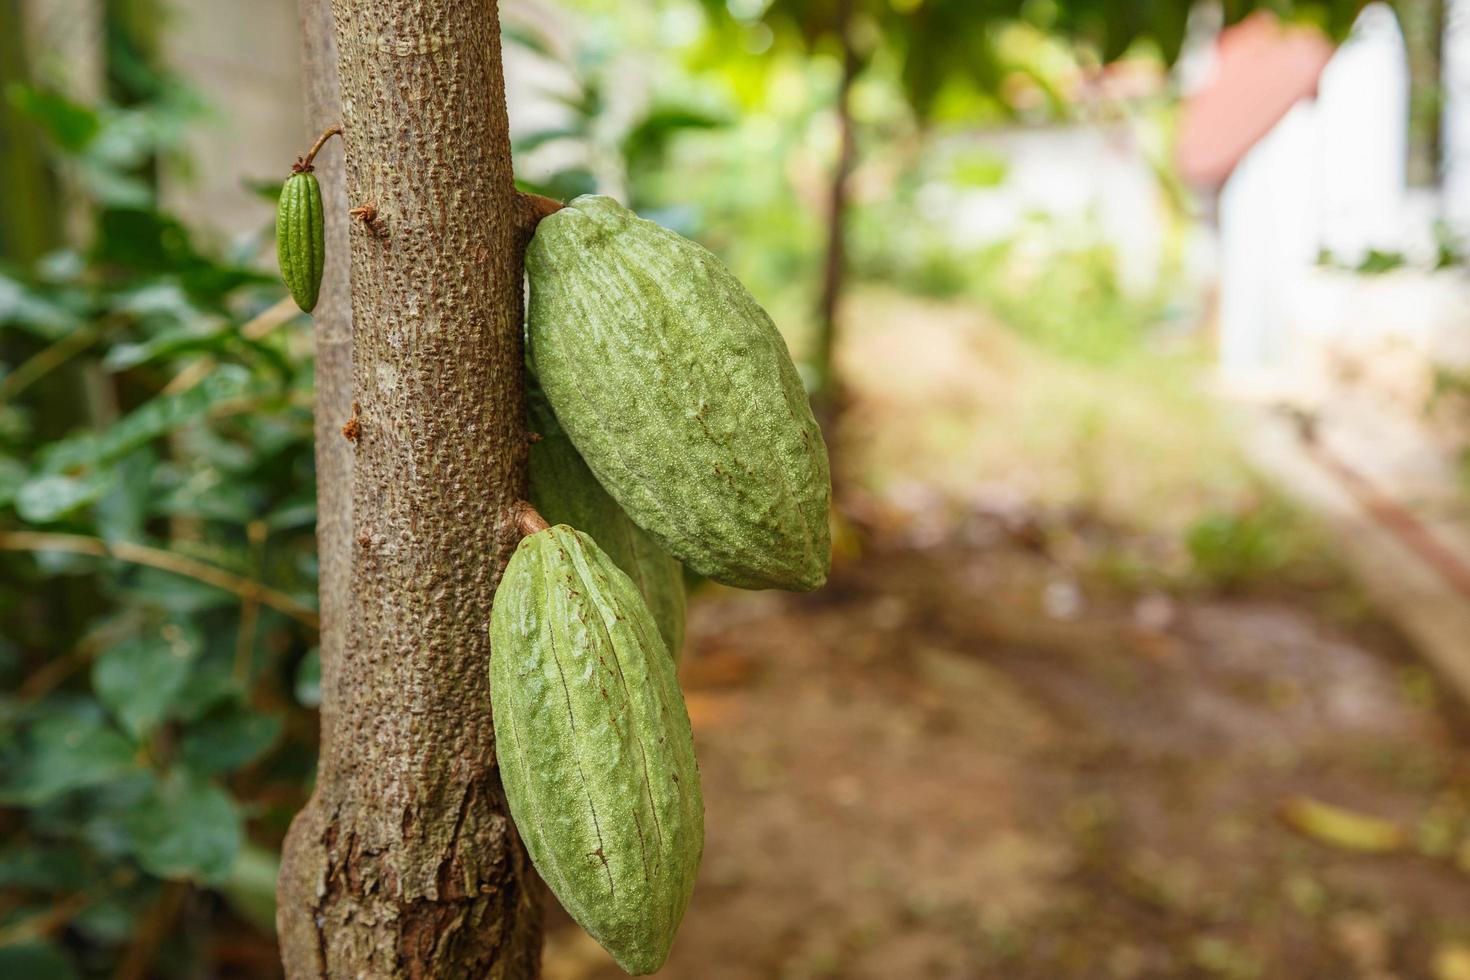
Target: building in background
<point>1328,259</point>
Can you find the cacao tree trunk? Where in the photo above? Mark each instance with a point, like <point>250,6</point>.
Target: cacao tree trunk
<point>405,863</point>
<point>825,400</point>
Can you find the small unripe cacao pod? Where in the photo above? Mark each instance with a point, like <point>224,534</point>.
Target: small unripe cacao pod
<point>564,491</point>
<point>594,746</point>
<point>301,237</point>
<point>679,392</point>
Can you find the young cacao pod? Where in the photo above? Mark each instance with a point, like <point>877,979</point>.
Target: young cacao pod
<point>565,492</point>
<point>301,237</point>
<point>679,392</point>
<point>594,747</point>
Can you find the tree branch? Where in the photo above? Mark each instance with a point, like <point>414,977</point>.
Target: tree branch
<point>168,561</point>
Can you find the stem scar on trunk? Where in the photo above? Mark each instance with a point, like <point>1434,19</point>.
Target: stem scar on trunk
<point>352,428</point>
<point>368,215</point>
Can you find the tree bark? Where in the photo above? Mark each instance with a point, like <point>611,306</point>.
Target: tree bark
<point>405,863</point>
<point>827,395</point>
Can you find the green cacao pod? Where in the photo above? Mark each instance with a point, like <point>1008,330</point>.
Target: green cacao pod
<point>301,237</point>
<point>594,747</point>
<point>679,392</point>
<point>565,492</point>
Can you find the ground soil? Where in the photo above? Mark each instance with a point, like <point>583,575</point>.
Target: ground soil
<point>961,760</point>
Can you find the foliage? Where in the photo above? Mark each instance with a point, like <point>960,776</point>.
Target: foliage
<point>944,45</point>
<point>716,164</point>
<point>1231,548</point>
<point>151,735</point>
<point>1053,280</point>
<point>1069,300</point>
<point>610,153</point>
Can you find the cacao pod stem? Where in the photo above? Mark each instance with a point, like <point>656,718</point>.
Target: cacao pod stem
<point>303,164</point>
<point>534,207</point>
<point>527,518</point>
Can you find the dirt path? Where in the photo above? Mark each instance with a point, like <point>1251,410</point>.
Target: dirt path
<point>955,762</point>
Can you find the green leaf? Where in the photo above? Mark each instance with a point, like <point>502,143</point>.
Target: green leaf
<point>292,514</point>
<point>21,306</point>
<point>541,137</point>
<point>143,240</point>
<point>174,593</point>
<point>156,418</point>
<point>122,512</point>
<point>35,960</point>
<point>228,739</point>
<point>530,38</point>
<point>70,125</point>
<point>309,679</point>
<point>65,752</point>
<point>251,886</point>
<point>211,684</point>
<point>39,867</point>
<point>12,477</point>
<point>161,304</point>
<point>52,497</point>
<point>113,189</point>
<point>562,185</point>
<point>113,919</point>
<point>169,343</point>
<point>139,679</point>
<point>646,143</point>
<point>214,496</point>
<point>187,828</point>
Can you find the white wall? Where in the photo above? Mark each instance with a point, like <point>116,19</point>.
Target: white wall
<point>1331,175</point>
<point>1269,233</point>
<point>1363,112</point>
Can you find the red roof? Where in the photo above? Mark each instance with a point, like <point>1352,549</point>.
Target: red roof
<point>1262,68</point>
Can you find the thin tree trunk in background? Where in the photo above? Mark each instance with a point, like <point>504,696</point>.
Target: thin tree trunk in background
<point>332,322</point>
<point>1422,22</point>
<point>65,41</point>
<point>332,327</point>
<point>833,272</point>
<point>28,229</point>
<point>404,863</point>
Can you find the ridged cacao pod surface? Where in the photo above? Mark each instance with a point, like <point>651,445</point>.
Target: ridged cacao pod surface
<point>594,746</point>
<point>301,238</point>
<point>680,394</point>
<point>565,491</point>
